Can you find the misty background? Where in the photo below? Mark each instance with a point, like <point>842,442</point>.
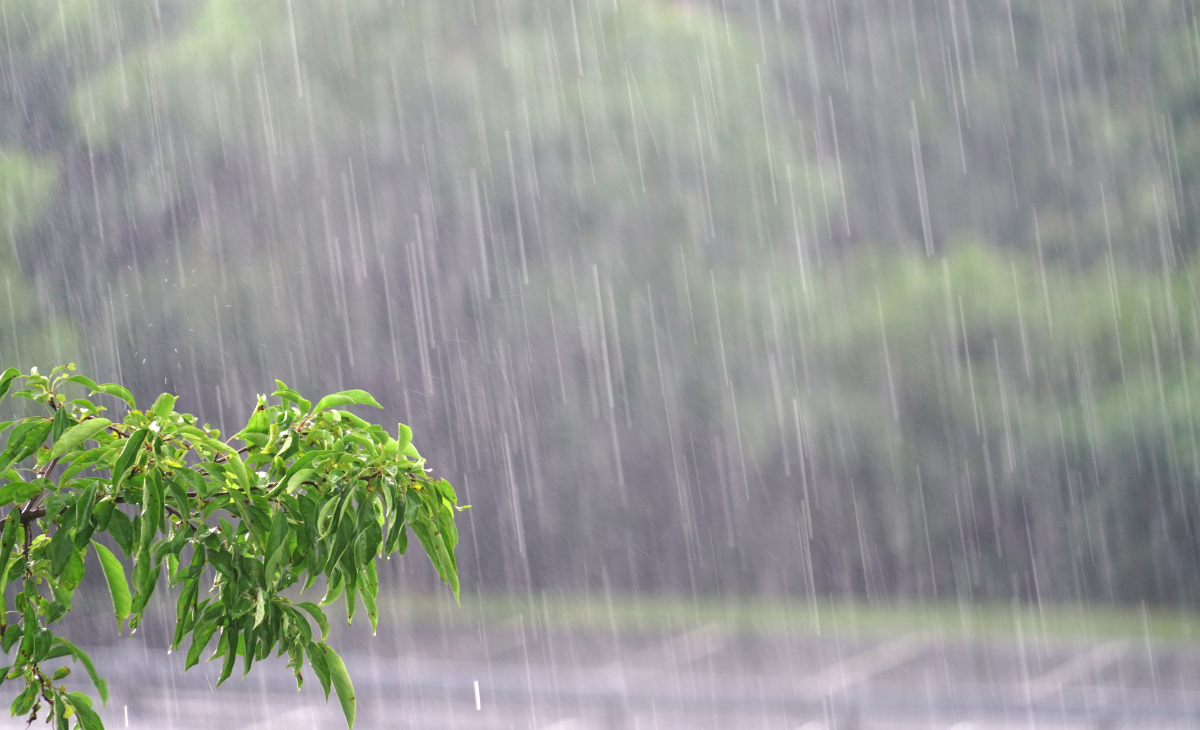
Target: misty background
<point>873,299</point>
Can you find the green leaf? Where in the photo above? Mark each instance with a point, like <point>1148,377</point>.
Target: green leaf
<point>118,587</point>
<point>299,478</point>
<point>62,421</point>
<point>83,516</point>
<point>306,459</point>
<point>32,630</point>
<point>277,556</point>
<point>341,683</point>
<point>77,434</point>
<point>60,710</point>
<point>24,440</point>
<point>260,607</point>
<point>88,719</point>
<point>366,545</point>
<point>326,517</point>
<point>12,635</point>
<point>72,574</point>
<point>152,509</point>
<point>23,702</point>
<point>397,539</point>
<point>258,423</point>
<point>145,580</point>
<point>19,492</point>
<point>318,615</point>
<point>82,463</point>
<point>192,481</point>
<point>368,585</point>
<point>12,527</point>
<point>60,549</point>
<point>121,529</point>
<point>239,469</point>
<point>403,437</point>
<point>249,646</point>
<point>6,379</point>
<point>129,454</point>
<point>201,635</point>
<point>84,381</point>
<point>347,398</point>
<point>229,637</point>
<point>86,661</point>
<point>179,493</point>
<point>320,664</point>
<point>163,405</point>
<point>287,394</point>
<point>116,391</point>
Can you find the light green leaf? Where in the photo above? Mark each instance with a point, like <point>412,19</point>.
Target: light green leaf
<point>20,491</point>
<point>347,398</point>
<point>341,683</point>
<point>163,405</point>
<point>12,526</point>
<point>229,637</point>
<point>6,379</point>
<point>239,469</point>
<point>202,634</point>
<point>62,421</point>
<point>304,461</point>
<point>77,434</point>
<point>118,586</point>
<point>88,719</point>
<point>129,454</point>
<point>260,608</point>
<point>318,660</point>
<point>403,437</point>
<point>318,615</point>
<point>89,666</point>
<point>117,391</point>
<point>84,381</point>
<point>299,478</point>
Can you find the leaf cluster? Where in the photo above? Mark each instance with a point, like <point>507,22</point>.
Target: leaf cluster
<point>312,492</point>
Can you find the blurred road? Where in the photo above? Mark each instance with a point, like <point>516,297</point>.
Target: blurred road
<point>518,675</point>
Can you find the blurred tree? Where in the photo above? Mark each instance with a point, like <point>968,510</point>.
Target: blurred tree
<point>29,327</point>
<point>802,248</point>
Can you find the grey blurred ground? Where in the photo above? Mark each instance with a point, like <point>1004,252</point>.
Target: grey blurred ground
<point>423,674</point>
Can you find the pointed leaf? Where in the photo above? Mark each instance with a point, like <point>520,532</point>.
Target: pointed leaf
<point>6,379</point>
<point>20,491</point>
<point>129,454</point>
<point>347,398</point>
<point>164,404</point>
<point>320,664</point>
<point>318,615</point>
<point>77,434</point>
<point>118,587</point>
<point>84,381</point>
<point>341,683</point>
<point>83,658</point>
<point>62,421</point>
<point>88,719</point>
<point>117,391</point>
<point>201,635</point>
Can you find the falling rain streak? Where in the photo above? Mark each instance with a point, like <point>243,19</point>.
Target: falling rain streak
<point>783,348</point>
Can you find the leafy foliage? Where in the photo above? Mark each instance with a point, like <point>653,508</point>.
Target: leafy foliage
<point>314,491</point>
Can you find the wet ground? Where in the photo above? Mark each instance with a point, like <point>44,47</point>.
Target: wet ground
<point>516,674</point>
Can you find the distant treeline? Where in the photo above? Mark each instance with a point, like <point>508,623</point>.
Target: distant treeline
<point>890,298</point>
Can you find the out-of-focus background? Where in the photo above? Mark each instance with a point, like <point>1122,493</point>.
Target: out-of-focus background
<point>782,306</point>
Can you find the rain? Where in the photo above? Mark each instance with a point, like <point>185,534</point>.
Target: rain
<point>806,364</point>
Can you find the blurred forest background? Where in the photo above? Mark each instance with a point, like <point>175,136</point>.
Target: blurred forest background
<point>893,299</point>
